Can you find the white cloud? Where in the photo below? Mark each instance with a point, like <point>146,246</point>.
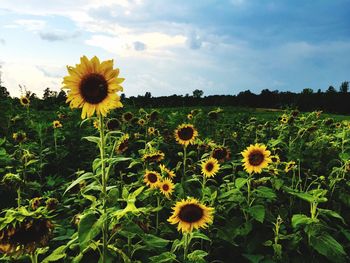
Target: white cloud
<point>29,24</point>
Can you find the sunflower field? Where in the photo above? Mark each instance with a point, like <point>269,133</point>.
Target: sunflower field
<point>99,181</point>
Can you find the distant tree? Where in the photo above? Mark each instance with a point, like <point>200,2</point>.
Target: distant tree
<point>148,95</point>
<point>319,91</point>
<point>3,92</point>
<point>198,93</point>
<point>307,91</point>
<point>344,87</point>
<point>122,96</point>
<point>331,89</point>
<point>62,96</point>
<point>49,94</point>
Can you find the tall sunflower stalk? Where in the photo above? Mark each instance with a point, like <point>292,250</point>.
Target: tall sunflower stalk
<point>93,85</point>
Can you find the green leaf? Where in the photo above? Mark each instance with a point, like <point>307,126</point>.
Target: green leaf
<point>154,241</point>
<point>257,212</point>
<point>57,254</point>
<point>80,179</point>
<point>93,139</point>
<point>327,213</point>
<point>254,258</point>
<point>326,245</point>
<point>200,235</point>
<point>197,256</point>
<point>89,227</point>
<point>300,219</point>
<point>164,257</point>
<point>240,182</point>
<point>265,192</point>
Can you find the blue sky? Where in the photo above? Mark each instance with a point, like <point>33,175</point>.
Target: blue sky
<point>174,47</point>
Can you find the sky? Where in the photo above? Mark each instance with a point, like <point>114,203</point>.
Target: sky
<point>174,47</point>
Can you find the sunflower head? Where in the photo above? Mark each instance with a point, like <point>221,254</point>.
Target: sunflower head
<point>289,166</point>
<point>122,144</point>
<point>127,116</point>
<point>12,181</point>
<point>141,122</point>
<point>151,130</point>
<point>155,156</point>
<point>153,116</point>
<point>210,167</point>
<point>256,158</point>
<point>189,116</point>
<point>113,124</point>
<point>24,100</point>
<point>191,214</point>
<point>169,173</point>
<point>93,85</point>
<point>151,178</point>
<point>166,187</point>
<point>19,137</point>
<point>186,134</point>
<point>284,119</point>
<point>221,154</point>
<point>56,124</point>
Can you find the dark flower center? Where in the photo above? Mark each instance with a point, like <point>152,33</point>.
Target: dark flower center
<point>94,88</point>
<point>256,158</point>
<point>152,178</point>
<point>113,124</point>
<point>123,146</point>
<point>191,213</point>
<point>219,153</point>
<point>25,101</point>
<point>165,187</point>
<point>128,116</point>
<point>209,167</point>
<point>185,133</point>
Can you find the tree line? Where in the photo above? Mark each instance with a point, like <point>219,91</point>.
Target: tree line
<point>332,100</point>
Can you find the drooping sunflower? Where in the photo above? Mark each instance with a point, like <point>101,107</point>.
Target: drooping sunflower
<point>166,187</point>
<point>19,136</point>
<point>256,158</point>
<point>93,85</point>
<point>56,124</point>
<point>122,144</point>
<point>155,156</point>
<point>191,214</point>
<point>221,154</point>
<point>186,134</point>
<point>127,116</point>
<point>25,101</point>
<point>113,124</point>
<point>169,173</point>
<point>289,166</point>
<point>23,231</point>
<point>151,178</point>
<point>210,167</point>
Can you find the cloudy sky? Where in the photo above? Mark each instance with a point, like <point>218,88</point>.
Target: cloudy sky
<point>174,47</point>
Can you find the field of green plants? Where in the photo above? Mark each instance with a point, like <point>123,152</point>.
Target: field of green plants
<point>171,185</point>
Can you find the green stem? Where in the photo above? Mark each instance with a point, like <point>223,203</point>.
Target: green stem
<point>34,257</point>
<point>157,215</point>
<point>19,197</point>
<point>183,179</point>
<point>186,245</point>
<point>55,141</point>
<point>104,190</point>
<point>203,185</point>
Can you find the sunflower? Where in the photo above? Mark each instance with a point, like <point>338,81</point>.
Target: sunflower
<point>166,171</point>
<point>151,130</point>
<point>289,166</point>
<point>113,124</point>
<point>127,116</point>
<point>122,144</point>
<point>92,86</point>
<point>166,187</point>
<point>275,159</point>
<point>151,178</point>
<point>19,136</point>
<point>24,100</point>
<point>189,116</point>
<point>210,167</point>
<point>153,116</point>
<point>96,124</point>
<point>56,124</point>
<point>155,156</point>
<point>191,214</point>
<point>255,158</point>
<point>221,154</point>
<point>284,119</point>
<point>186,134</point>
<point>141,122</point>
